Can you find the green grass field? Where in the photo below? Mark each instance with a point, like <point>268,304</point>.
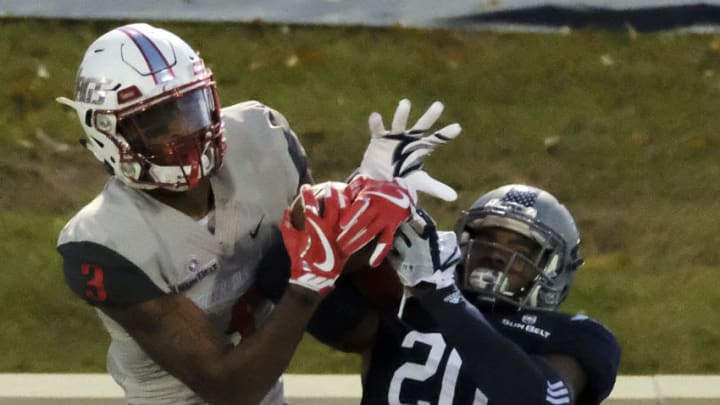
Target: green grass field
<point>621,127</point>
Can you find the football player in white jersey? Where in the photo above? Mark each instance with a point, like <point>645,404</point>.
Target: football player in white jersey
<point>196,206</point>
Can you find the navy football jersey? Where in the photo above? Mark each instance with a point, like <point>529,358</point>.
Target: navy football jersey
<point>413,364</point>
<point>586,340</point>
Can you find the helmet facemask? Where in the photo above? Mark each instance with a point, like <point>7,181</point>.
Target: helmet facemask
<point>517,271</point>
<point>172,142</point>
<point>533,218</point>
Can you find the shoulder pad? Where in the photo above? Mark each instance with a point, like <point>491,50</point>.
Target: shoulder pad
<point>585,339</point>
<point>102,276</point>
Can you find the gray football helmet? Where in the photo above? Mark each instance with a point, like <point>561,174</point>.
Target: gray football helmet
<point>545,225</point>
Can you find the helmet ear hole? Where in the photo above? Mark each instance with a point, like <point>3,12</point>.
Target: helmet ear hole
<point>88,118</point>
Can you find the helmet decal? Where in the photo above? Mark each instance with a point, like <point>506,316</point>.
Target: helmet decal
<point>520,248</point>
<point>526,198</point>
<point>91,90</point>
<point>158,65</point>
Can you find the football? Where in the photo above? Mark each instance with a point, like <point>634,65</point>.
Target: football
<point>297,213</point>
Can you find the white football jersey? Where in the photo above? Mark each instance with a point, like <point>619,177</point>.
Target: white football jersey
<point>258,180</point>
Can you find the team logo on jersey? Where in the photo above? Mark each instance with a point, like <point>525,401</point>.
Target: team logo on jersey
<point>197,272</point>
<point>193,264</point>
<point>454,298</point>
<point>529,328</point>
<point>529,319</point>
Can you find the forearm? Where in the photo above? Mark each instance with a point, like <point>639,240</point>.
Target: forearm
<point>497,366</point>
<point>179,337</point>
<point>345,319</point>
<point>255,365</point>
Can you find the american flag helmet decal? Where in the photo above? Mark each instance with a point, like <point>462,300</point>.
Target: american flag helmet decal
<point>526,198</point>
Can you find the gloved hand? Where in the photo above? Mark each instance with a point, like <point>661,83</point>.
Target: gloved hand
<point>378,208</point>
<point>421,254</point>
<point>401,152</point>
<point>316,260</point>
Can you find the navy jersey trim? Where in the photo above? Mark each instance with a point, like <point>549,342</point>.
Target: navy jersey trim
<point>274,269</point>
<point>299,158</point>
<point>101,276</point>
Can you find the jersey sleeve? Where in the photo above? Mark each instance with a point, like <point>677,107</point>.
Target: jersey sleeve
<point>495,364</point>
<point>274,269</point>
<point>597,351</point>
<point>295,149</point>
<point>580,337</point>
<point>101,276</point>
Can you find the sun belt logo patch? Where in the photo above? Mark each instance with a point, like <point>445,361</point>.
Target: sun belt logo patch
<point>529,319</point>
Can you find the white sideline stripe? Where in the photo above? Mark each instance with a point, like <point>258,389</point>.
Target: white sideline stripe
<point>667,386</point>
<point>58,386</point>
<point>322,386</point>
<point>31,386</point>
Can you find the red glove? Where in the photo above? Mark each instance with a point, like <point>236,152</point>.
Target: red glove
<point>316,260</point>
<point>377,210</point>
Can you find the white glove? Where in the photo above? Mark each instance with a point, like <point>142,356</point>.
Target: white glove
<point>422,254</point>
<point>401,152</point>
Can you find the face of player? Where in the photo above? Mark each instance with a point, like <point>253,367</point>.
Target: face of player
<point>169,132</point>
<point>495,249</point>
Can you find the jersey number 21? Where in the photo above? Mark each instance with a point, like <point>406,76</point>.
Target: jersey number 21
<point>421,372</point>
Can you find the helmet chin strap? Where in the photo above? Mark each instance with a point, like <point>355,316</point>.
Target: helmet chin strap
<point>190,174</point>
<point>194,177</point>
<point>190,164</point>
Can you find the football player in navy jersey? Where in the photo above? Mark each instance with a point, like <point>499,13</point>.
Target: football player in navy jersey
<point>474,322</point>
<point>478,323</point>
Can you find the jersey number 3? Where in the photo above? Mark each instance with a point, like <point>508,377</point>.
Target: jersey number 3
<point>421,372</point>
<point>95,285</point>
